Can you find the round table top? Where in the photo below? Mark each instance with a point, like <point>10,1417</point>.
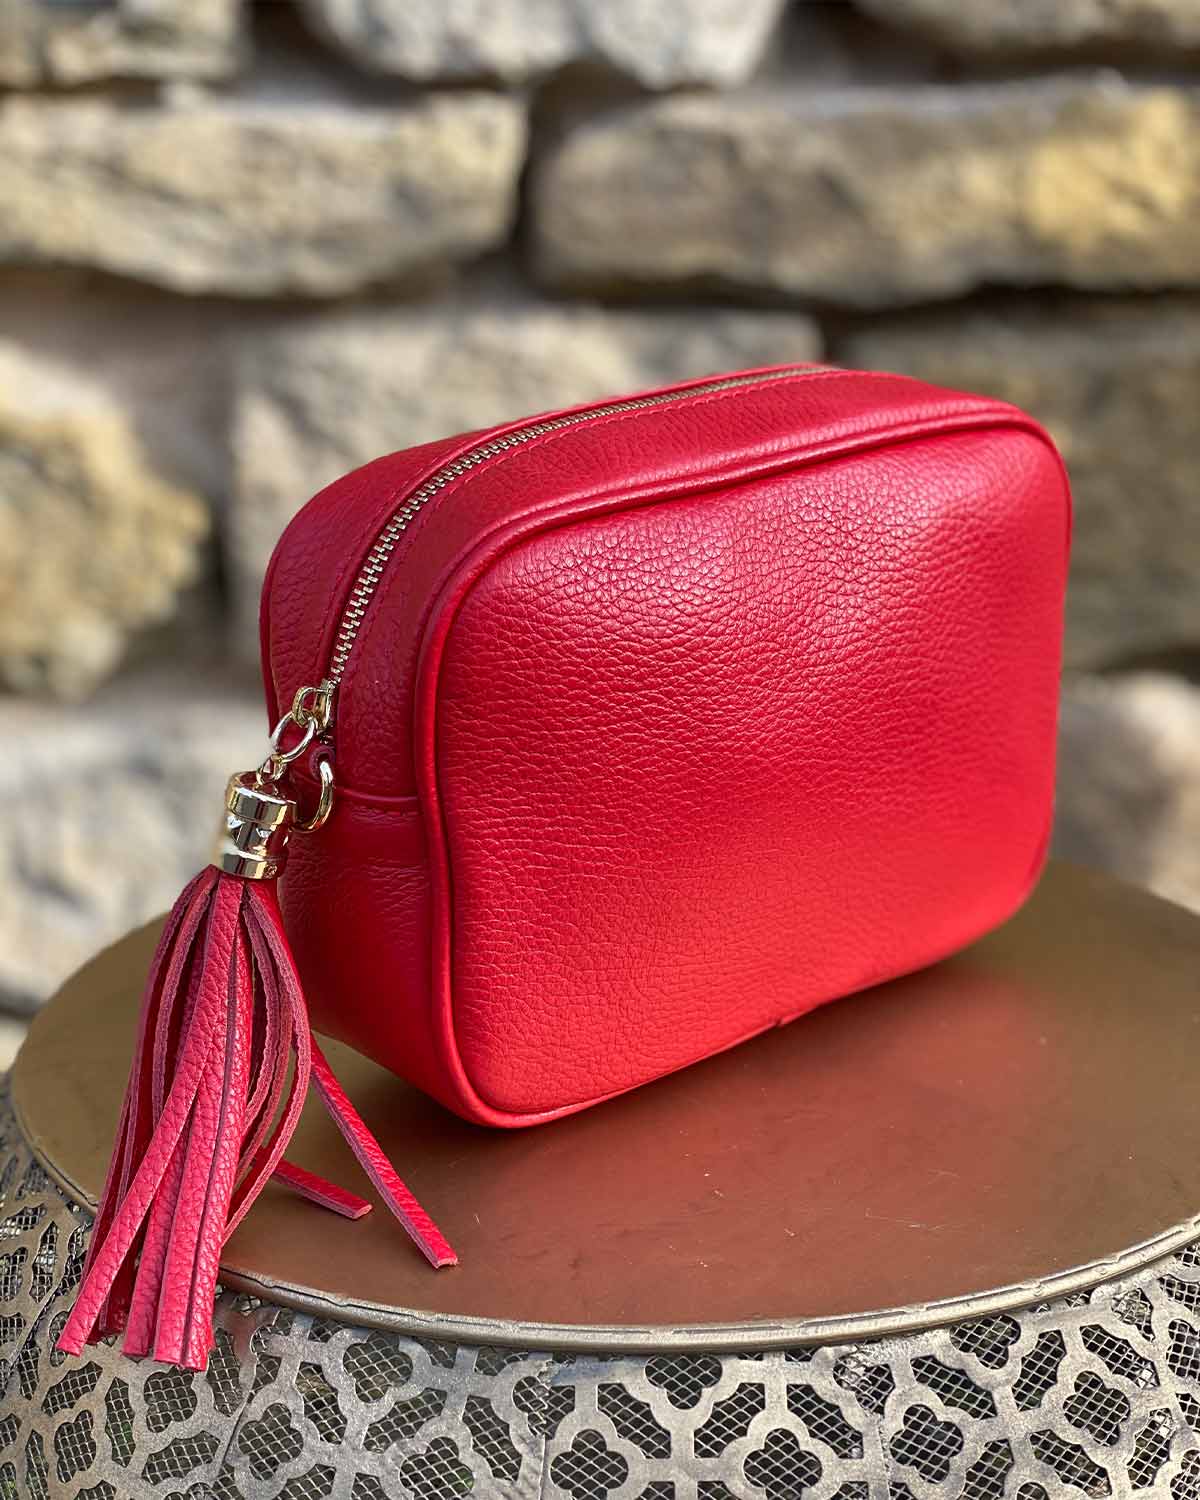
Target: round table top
<point>1014,1123</point>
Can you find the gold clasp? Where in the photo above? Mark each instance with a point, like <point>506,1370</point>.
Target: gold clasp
<point>311,713</point>
<point>280,759</point>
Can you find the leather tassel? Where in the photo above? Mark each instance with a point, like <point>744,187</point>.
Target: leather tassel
<point>220,1071</point>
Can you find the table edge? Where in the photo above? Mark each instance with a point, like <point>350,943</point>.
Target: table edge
<point>719,1338</point>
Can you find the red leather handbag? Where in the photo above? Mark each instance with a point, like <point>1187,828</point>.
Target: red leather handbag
<point>618,735</point>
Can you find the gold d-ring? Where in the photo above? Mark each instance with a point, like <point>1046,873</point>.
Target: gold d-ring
<point>324,802</point>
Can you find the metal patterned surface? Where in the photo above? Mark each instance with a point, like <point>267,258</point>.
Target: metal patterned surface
<point>1091,1395</point>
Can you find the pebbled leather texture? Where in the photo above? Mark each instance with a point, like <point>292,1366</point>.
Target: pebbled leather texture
<point>665,727</point>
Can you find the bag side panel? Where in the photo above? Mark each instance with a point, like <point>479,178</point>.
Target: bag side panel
<point>315,560</point>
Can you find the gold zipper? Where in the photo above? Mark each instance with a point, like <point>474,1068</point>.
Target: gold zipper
<point>312,708</point>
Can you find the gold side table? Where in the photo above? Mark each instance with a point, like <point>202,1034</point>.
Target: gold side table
<point>938,1240</point>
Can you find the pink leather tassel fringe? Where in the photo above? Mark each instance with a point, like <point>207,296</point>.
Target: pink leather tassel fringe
<point>208,1113</point>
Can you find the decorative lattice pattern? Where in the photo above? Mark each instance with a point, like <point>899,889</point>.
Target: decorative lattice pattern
<point>1093,1395</point>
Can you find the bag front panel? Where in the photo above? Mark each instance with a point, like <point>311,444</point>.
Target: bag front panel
<point>702,765</point>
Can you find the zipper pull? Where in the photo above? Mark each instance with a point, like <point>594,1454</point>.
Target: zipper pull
<point>315,704</point>
<point>312,714</point>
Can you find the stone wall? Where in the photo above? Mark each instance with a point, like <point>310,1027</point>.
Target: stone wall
<point>245,247</point>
